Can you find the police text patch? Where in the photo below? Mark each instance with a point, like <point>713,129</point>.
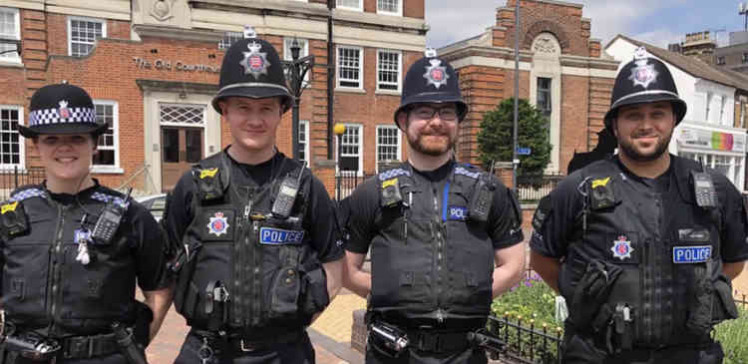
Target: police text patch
<point>274,236</point>
<point>691,254</point>
<point>458,213</point>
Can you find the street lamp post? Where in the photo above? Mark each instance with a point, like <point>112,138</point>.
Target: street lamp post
<point>296,70</point>
<point>339,130</point>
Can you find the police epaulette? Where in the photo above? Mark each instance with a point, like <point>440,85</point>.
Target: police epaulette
<point>27,193</point>
<point>392,173</point>
<point>106,198</point>
<point>461,170</point>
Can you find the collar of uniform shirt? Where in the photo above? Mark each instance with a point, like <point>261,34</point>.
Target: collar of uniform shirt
<point>437,174</point>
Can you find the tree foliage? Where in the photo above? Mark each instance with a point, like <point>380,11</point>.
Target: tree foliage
<point>495,137</point>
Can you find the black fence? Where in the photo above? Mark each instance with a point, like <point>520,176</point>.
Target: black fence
<point>347,181</point>
<point>531,188</point>
<point>527,342</point>
<point>741,301</point>
<point>16,177</point>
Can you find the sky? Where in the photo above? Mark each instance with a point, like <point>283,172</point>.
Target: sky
<point>658,22</point>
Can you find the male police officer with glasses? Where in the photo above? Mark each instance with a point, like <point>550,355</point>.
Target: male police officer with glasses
<point>444,236</point>
<point>255,230</point>
<point>73,250</point>
<point>642,245</point>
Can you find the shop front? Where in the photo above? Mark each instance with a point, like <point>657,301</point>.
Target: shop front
<point>720,149</point>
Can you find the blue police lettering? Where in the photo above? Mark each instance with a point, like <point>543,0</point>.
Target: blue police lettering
<point>280,236</point>
<point>691,254</point>
<point>457,213</point>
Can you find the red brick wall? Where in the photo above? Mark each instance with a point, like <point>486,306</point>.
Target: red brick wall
<point>414,9</point>
<point>574,118</point>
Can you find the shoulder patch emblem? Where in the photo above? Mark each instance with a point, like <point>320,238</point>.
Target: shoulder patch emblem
<point>8,207</point>
<point>208,173</point>
<point>622,248</point>
<point>600,182</point>
<point>218,224</point>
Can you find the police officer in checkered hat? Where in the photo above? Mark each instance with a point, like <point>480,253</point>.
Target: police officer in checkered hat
<point>258,254</point>
<point>73,250</point>
<point>444,236</point>
<point>642,245</point>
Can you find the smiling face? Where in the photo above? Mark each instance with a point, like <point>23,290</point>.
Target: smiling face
<point>253,122</point>
<point>66,158</point>
<point>431,129</point>
<point>644,130</point>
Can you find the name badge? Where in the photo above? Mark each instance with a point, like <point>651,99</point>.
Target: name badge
<point>458,213</point>
<point>272,236</point>
<point>691,254</point>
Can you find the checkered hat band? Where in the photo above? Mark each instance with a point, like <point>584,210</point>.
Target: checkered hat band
<point>52,116</point>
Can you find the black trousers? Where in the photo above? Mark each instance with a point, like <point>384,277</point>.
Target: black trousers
<point>300,352</point>
<point>411,356</point>
<point>581,354</point>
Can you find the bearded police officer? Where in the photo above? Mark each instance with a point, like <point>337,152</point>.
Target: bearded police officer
<point>258,254</point>
<point>443,235</point>
<point>642,245</point>
<point>72,249</point>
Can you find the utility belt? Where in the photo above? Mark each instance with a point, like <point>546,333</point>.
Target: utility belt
<point>221,343</point>
<point>393,341</point>
<point>41,349</point>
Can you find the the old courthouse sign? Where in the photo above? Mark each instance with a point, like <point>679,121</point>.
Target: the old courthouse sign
<point>169,65</point>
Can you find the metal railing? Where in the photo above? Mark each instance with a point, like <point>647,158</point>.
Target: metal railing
<point>741,300</point>
<point>526,342</point>
<point>347,181</point>
<point>531,188</point>
<point>11,179</point>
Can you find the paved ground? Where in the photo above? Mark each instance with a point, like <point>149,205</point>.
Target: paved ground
<point>331,334</point>
<point>740,283</point>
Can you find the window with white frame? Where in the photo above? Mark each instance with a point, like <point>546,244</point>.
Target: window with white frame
<point>709,96</point>
<point>350,151</point>
<point>288,55</point>
<point>388,70</point>
<point>304,141</point>
<point>107,154</point>
<point>388,144</point>
<point>350,4</point>
<point>10,28</point>
<point>11,143</point>
<point>393,7</point>
<point>82,35</point>
<point>350,67</point>
<point>229,38</point>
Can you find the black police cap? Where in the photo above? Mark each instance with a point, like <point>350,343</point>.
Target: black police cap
<point>252,68</point>
<point>432,80</point>
<point>61,109</point>
<point>644,80</point>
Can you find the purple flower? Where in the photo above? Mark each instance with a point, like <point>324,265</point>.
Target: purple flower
<point>528,284</point>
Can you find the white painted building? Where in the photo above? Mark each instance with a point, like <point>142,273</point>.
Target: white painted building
<point>709,132</point>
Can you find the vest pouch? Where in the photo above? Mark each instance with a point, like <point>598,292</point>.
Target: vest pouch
<point>187,295</point>
<point>723,305</point>
<point>315,295</point>
<point>284,293</point>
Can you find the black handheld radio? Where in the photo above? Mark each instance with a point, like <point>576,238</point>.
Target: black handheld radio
<point>286,197</point>
<point>109,220</point>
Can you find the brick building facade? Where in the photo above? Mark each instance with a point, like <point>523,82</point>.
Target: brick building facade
<point>562,72</point>
<point>152,67</point>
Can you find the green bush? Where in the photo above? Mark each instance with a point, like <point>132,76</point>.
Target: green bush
<point>532,303</point>
<point>733,335</point>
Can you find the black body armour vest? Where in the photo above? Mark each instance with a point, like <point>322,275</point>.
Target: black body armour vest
<point>431,262</point>
<point>44,287</point>
<point>245,267</point>
<point>669,289</point>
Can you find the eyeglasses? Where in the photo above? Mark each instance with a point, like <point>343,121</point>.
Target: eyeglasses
<point>447,113</point>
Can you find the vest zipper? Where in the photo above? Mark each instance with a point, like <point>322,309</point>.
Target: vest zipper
<point>439,247</point>
<point>56,262</point>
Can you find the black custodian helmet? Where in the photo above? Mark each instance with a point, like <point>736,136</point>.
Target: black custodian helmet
<point>644,80</point>
<point>251,68</point>
<point>61,109</point>
<point>431,80</point>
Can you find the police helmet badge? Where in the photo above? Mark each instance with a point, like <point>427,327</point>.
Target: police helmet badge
<point>436,74</point>
<point>255,63</point>
<point>63,110</point>
<point>644,73</point>
<point>218,225</point>
<point>622,248</point>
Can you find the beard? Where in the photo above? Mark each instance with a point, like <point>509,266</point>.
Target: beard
<point>632,152</point>
<point>432,144</point>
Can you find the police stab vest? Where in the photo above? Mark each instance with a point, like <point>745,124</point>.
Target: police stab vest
<point>432,259</point>
<point>247,267</point>
<point>43,285</point>
<point>670,290</point>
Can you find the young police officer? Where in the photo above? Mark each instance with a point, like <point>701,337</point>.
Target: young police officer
<point>643,245</point>
<point>73,249</point>
<point>257,235</point>
<point>443,235</point>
